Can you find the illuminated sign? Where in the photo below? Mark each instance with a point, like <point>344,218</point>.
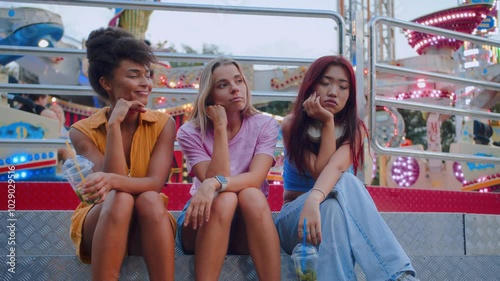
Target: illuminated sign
<point>21,130</point>
<point>490,23</point>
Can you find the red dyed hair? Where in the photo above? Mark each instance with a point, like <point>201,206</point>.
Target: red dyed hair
<point>348,115</point>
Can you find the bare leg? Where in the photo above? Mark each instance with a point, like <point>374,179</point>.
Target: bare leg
<point>105,234</point>
<point>156,236</point>
<point>213,238</point>
<point>259,233</point>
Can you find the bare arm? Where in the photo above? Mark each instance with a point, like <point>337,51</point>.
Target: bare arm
<point>316,163</point>
<point>159,164</point>
<point>332,172</point>
<point>114,160</point>
<point>59,114</point>
<point>258,170</point>
<point>328,178</point>
<point>337,164</point>
<point>158,169</point>
<point>219,163</point>
<point>202,199</point>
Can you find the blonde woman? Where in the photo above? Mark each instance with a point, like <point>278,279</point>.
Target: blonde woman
<point>229,149</point>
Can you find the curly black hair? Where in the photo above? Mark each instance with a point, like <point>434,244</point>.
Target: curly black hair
<point>106,48</point>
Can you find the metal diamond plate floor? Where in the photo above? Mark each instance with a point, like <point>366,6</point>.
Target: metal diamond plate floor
<point>239,268</point>
<point>442,246</point>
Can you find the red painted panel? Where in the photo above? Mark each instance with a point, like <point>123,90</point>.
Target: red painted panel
<point>426,200</point>
<point>60,196</point>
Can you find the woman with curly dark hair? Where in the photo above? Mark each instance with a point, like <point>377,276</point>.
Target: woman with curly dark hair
<point>132,151</point>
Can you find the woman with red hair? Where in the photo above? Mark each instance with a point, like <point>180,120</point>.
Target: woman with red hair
<point>323,139</point>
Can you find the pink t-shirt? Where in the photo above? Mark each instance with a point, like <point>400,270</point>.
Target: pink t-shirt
<point>258,135</point>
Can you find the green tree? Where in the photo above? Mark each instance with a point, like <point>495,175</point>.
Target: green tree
<point>496,108</point>
<point>448,133</point>
<point>415,126</point>
<point>279,108</point>
<point>208,49</point>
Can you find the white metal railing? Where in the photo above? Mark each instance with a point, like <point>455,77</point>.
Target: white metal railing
<point>179,7</point>
<point>161,6</point>
<point>374,66</point>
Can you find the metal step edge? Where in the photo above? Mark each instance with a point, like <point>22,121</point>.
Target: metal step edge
<point>237,268</point>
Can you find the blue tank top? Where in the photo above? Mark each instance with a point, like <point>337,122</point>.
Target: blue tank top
<point>294,181</point>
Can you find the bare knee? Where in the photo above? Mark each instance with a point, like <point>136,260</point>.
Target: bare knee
<point>252,202</point>
<point>224,206</point>
<point>150,206</point>
<point>119,209</point>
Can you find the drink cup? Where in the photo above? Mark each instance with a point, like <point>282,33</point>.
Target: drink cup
<point>75,170</point>
<point>305,260</point>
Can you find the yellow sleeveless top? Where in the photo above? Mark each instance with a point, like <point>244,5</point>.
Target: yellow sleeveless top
<point>151,124</point>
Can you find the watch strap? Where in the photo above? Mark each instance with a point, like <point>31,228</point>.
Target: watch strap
<point>223,183</point>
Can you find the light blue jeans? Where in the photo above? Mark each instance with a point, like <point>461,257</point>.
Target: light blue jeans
<point>352,231</point>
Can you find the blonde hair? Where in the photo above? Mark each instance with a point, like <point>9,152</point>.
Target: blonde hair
<point>199,115</point>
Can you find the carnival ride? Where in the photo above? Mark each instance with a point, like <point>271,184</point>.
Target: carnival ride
<point>447,56</point>
<point>435,54</point>
<point>31,27</point>
<point>39,162</point>
<point>28,27</point>
<point>34,27</point>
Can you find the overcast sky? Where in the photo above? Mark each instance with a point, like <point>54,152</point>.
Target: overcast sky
<point>244,35</point>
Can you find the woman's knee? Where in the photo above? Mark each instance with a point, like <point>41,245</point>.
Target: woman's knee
<point>224,206</point>
<point>332,214</point>
<point>252,201</point>
<point>150,205</point>
<point>118,209</point>
<point>330,205</point>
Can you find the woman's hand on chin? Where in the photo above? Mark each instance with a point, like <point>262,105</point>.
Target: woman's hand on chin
<point>124,107</point>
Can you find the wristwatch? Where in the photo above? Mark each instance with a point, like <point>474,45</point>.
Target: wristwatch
<point>223,183</point>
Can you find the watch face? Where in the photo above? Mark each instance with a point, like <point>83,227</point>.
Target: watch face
<point>221,179</point>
